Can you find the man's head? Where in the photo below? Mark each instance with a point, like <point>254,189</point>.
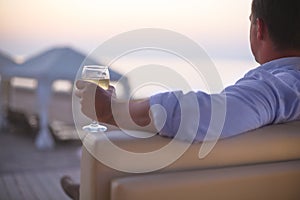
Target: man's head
<point>277,21</point>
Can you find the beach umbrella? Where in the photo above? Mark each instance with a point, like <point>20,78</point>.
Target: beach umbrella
<point>57,63</point>
<point>60,63</point>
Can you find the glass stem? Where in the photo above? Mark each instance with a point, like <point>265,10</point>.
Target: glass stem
<point>94,123</point>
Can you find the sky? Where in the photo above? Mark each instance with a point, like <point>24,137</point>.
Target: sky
<point>29,26</point>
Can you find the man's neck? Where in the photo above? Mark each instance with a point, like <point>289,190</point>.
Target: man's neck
<point>273,55</point>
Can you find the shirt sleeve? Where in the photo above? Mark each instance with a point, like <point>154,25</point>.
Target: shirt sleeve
<point>256,100</point>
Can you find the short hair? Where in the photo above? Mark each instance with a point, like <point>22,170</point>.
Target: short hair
<point>282,18</point>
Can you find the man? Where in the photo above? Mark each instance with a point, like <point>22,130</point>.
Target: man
<point>269,94</point>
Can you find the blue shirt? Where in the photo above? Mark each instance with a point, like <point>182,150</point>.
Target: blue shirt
<point>269,94</point>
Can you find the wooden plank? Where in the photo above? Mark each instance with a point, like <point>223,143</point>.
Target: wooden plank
<point>51,185</point>
<point>12,187</point>
<point>54,180</point>
<point>24,187</point>
<point>76,175</point>
<point>35,185</point>
<point>45,186</point>
<point>3,191</point>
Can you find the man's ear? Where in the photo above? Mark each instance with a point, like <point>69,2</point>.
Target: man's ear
<point>261,29</point>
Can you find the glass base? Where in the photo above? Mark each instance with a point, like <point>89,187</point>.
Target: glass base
<point>94,128</point>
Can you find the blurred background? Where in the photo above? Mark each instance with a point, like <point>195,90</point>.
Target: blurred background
<point>38,139</point>
<point>30,26</point>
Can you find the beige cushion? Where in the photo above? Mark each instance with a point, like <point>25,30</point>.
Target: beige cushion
<point>262,181</point>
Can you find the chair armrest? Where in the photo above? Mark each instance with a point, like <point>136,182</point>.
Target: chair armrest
<point>269,144</point>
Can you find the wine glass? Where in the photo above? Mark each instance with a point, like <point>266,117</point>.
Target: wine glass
<point>98,75</point>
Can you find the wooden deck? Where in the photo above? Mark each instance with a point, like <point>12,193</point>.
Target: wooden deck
<point>27,173</point>
<point>35,185</point>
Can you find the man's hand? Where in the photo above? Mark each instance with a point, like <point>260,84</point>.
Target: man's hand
<point>95,101</point>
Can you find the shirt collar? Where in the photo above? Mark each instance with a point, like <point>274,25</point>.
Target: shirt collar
<point>288,62</point>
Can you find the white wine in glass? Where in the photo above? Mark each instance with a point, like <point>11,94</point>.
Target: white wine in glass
<point>98,75</point>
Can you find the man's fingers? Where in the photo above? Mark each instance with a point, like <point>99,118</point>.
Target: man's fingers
<point>80,84</point>
<point>85,88</point>
<point>78,93</point>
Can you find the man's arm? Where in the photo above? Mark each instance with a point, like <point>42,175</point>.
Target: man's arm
<point>102,105</point>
